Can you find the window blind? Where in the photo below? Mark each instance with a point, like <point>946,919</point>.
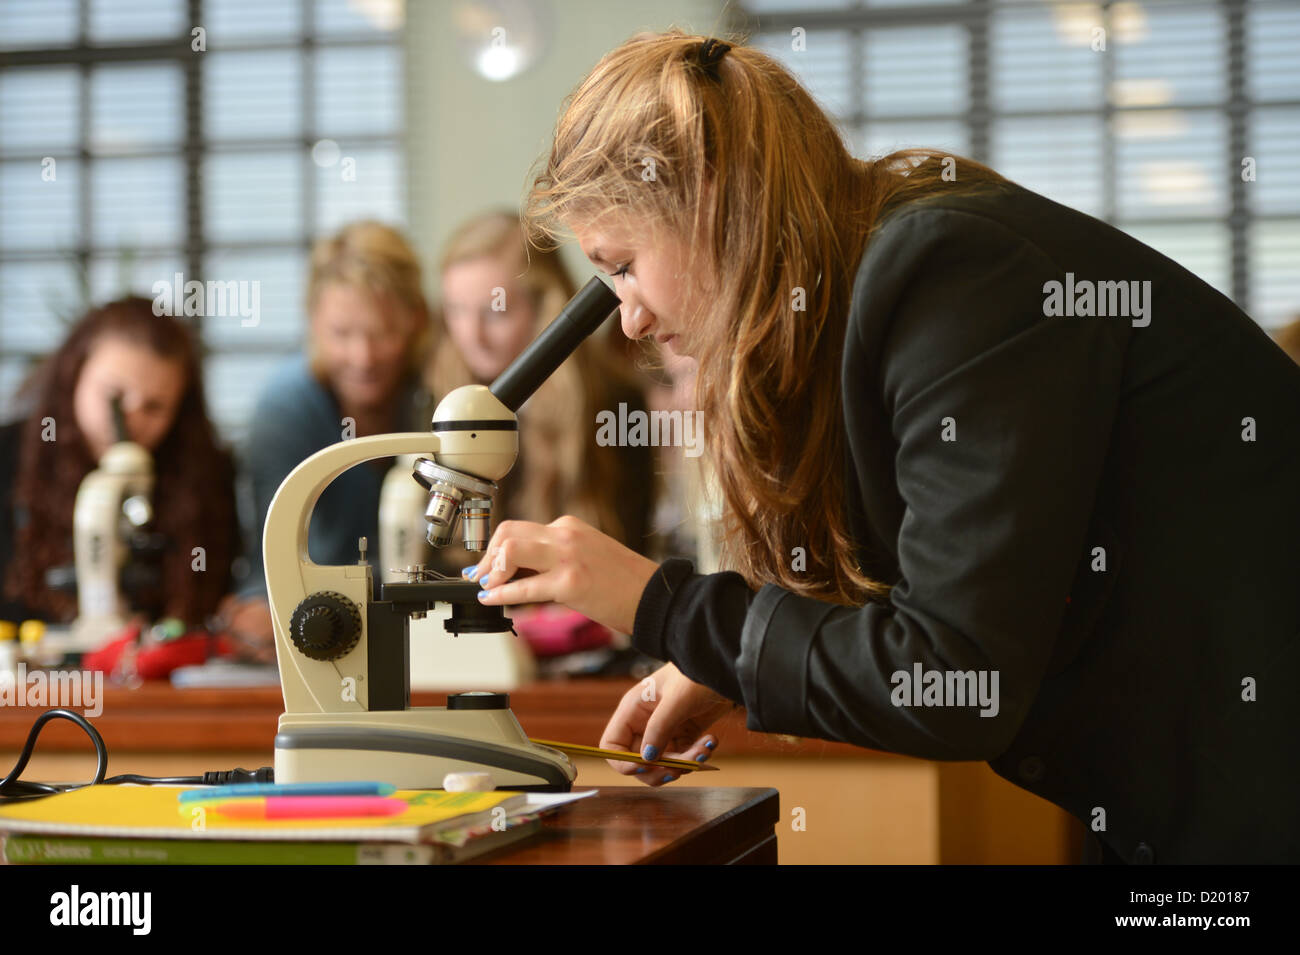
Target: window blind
<point>206,163</point>
<point>1149,133</point>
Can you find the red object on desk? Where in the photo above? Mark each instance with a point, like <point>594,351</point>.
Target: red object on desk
<point>156,661</point>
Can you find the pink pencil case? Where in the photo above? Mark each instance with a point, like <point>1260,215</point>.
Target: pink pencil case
<point>552,630</point>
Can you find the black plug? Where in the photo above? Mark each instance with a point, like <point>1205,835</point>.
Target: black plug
<point>233,776</point>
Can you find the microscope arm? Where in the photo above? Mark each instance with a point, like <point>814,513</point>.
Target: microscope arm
<point>310,685</point>
<point>284,540</point>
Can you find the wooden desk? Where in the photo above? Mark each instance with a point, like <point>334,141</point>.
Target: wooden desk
<point>624,825</point>
<point>838,803</point>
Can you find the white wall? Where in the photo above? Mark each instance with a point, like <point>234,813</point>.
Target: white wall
<point>471,141</point>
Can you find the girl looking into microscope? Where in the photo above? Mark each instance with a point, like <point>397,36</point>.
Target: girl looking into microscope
<point>930,469</point>
<point>148,362</point>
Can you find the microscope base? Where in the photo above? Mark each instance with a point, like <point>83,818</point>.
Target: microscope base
<point>415,749</point>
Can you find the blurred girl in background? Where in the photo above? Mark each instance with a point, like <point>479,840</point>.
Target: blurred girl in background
<point>360,376</point>
<point>496,298</point>
<point>124,350</point>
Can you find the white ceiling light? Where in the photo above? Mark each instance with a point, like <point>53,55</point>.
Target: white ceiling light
<point>500,39</point>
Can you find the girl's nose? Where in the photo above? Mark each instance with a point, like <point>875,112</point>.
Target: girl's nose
<point>363,353</point>
<point>635,319</point>
<point>137,427</point>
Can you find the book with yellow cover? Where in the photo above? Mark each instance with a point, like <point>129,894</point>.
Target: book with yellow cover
<point>155,812</point>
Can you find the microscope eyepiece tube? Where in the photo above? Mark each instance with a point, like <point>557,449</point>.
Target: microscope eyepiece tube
<point>583,314</point>
<point>119,418</point>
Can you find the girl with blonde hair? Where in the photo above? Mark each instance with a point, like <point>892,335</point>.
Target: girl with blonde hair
<point>979,454</point>
<point>360,375</point>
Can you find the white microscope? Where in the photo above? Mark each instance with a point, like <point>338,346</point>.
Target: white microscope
<point>110,519</point>
<point>343,639</point>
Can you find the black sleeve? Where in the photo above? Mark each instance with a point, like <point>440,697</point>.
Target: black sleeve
<point>995,520</point>
<point>701,616</point>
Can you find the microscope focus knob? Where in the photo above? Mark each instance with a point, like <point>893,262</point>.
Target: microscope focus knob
<point>325,626</point>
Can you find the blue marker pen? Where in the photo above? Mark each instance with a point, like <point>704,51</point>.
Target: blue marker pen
<point>289,789</point>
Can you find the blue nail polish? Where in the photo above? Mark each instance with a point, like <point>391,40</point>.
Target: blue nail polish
<point>702,757</point>
<point>640,770</point>
<point>669,778</point>
<point>469,572</point>
<point>710,744</point>
<point>484,578</point>
<point>650,752</point>
<point>484,593</point>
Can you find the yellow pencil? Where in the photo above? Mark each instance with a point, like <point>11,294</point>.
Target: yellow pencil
<point>577,749</point>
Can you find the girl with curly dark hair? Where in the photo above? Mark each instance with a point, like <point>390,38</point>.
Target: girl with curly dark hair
<point>149,361</point>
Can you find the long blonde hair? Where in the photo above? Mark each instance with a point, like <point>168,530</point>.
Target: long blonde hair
<point>562,471</point>
<point>736,157</point>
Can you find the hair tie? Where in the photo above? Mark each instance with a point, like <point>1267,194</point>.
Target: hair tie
<point>710,53</point>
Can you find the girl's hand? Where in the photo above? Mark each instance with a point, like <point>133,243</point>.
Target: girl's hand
<point>666,712</point>
<point>571,563</point>
<point>248,624</point>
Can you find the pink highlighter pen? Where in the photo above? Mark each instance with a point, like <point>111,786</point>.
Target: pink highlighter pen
<point>311,807</point>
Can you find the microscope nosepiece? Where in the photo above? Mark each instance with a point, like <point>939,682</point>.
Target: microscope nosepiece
<point>450,492</point>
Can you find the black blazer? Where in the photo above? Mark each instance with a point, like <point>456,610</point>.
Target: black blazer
<point>1103,509</point>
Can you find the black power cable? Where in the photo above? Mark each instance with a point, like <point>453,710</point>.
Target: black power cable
<point>12,788</point>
